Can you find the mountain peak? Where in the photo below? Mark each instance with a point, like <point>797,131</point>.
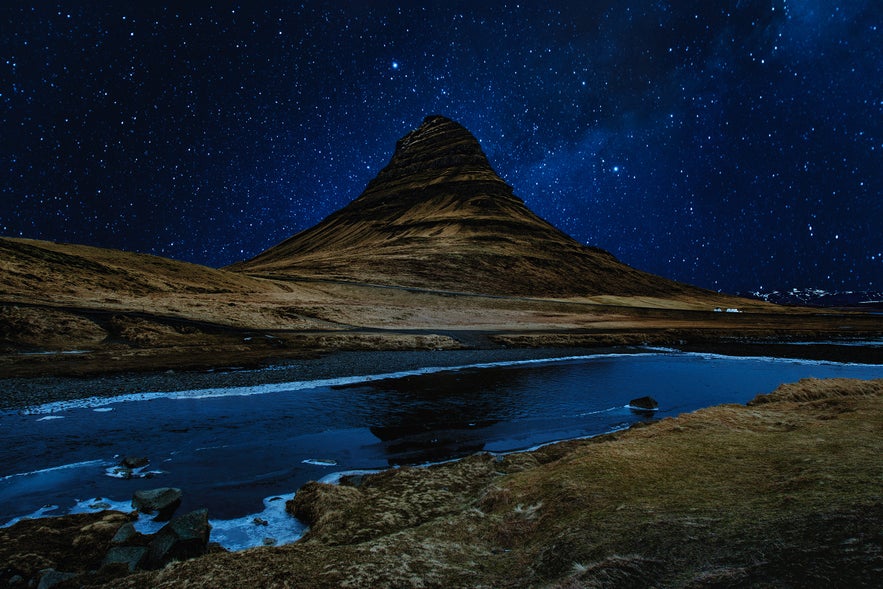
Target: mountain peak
<point>439,217</point>
<point>439,151</point>
<point>439,131</point>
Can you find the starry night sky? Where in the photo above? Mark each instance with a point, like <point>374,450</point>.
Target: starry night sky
<point>733,144</point>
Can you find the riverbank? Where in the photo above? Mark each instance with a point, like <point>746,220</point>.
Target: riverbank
<point>783,491</point>
<point>21,393</point>
<point>66,331</point>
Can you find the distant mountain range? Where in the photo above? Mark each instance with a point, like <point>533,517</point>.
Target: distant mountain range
<point>814,297</point>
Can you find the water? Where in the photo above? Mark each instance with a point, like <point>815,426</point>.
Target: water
<point>239,454</point>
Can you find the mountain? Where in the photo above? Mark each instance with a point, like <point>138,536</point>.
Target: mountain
<point>409,264</point>
<point>816,297</point>
<point>439,217</point>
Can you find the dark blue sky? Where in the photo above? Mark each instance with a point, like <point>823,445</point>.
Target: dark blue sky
<point>732,144</point>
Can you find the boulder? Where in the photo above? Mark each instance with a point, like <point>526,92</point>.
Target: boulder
<point>644,404</point>
<point>124,534</point>
<point>131,556</point>
<point>182,538</point>
<point>164,501</point>
<point>51,577</point>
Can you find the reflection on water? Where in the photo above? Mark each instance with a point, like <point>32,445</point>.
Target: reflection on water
<point>229,453</point>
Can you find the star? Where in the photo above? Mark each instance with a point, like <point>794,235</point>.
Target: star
<point>215,136</point>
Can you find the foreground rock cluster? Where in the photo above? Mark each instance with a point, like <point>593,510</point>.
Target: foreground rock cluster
<point>783,492</point>
<point>92,548</point>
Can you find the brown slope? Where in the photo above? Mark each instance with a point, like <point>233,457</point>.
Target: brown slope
<point>438,216</point>
<point>56,296</point>
<point>34,268</point>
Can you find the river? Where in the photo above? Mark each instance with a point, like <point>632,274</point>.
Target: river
<point>241,451</point>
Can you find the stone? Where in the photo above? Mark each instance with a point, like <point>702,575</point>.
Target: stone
<point>164,501</point>
<point>182,538</point>
<point>134,462</point>
<point>124,534</point>
<point>51,577</point>
<point>131,556</point>
<point>644,404</point>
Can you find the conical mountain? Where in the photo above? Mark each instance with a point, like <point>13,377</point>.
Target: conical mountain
<point>439,217</point>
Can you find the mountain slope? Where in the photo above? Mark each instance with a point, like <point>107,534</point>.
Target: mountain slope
<point>30,266</point>
<point>438,216</point>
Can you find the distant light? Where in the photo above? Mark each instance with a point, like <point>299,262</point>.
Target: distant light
<point>395,65</point>
<point>616,169</point>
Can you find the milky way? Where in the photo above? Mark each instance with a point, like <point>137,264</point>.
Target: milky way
<point>734,145</point>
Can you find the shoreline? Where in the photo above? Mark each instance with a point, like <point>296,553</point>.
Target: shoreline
<point>22,393</point>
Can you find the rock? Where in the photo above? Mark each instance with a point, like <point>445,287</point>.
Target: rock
<point>644,404</point>
<point>269,541</point>
<point>182,538</point>
<point>259,521</point>
<point>131,556</point>
<point>134,462</point>
<point>352,480</point>
<point>51,577</point>
<point>100,505</point>
<point>16,580</point>
<point>124,534</point>
<point>164,501</point>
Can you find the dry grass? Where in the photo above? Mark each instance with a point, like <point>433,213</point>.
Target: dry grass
<point>813,389</point>
<point>139,312</point>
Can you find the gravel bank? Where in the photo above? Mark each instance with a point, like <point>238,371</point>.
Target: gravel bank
<point>16,393</point>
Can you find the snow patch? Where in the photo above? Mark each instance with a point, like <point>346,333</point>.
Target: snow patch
<point>271,527</point>
<point>51,469</point>
<point>320,461</point>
